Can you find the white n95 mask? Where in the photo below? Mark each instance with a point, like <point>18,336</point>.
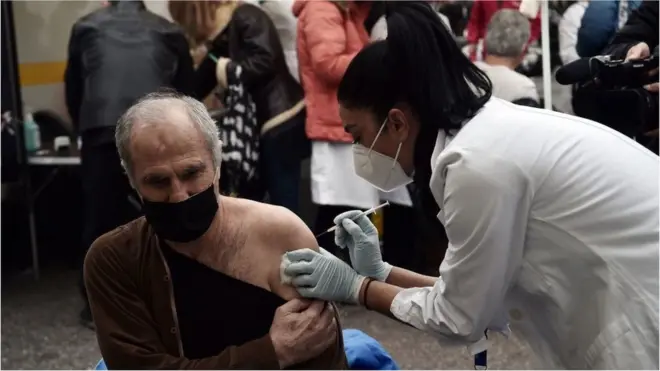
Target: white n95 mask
<point>383,172</point>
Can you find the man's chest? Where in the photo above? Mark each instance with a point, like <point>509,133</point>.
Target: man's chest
<point>243,258</point>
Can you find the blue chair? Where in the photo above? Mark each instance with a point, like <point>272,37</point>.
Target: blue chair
<point>362,352</point>
<point>101,365</point>
<point>365,353</point>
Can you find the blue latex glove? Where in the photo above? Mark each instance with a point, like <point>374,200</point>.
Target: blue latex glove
<point>360,236</point>
<point>323,277</point>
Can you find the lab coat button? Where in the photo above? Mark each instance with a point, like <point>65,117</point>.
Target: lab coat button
<point>515,314</point>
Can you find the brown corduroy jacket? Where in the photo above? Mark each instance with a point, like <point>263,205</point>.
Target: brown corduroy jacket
<point>132,302</point>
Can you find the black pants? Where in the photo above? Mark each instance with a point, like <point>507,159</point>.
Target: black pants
<point>282,151</point>
<point>105,193</point>
<point>399,245</point>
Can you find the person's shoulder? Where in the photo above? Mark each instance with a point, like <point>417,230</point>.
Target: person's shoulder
<point>117,247</point>
<point>324,9</point>
<point>247,8</point>
<point>527,87</point>
<point>160,23</point>
<point>279,227</point>
<point>474,169</point>
<point>89,20</point>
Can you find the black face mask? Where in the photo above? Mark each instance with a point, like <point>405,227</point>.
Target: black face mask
<point>183,221</point>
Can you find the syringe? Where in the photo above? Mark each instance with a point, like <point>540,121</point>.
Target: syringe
<point>364,213</point>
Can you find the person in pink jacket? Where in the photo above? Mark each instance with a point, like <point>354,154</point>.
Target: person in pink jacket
<point>329,35</point>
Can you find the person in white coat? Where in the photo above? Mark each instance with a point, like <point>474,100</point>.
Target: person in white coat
<point>552,220</point>
<point>568,31</point>
<point>285,22</point>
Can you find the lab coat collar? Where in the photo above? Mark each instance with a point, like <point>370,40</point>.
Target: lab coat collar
<point>437,183</point>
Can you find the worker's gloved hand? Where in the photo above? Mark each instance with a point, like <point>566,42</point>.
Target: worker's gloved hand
<point>360,236</point>
<point>322,277</point>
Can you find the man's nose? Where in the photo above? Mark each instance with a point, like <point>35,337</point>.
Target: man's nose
<point>179,191</point>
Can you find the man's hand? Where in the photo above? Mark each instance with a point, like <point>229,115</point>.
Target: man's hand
<point>317,276</point>
<point>301,330</point>
<point>642,51</point>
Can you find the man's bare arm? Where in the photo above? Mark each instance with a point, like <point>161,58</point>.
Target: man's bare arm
<point>287,232</point>
<point>283,231</point>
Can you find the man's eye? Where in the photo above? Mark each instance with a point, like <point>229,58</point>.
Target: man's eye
<point>158,182</point>
<point>192,174</point>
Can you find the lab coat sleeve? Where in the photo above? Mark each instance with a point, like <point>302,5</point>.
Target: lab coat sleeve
<point>485,205</point>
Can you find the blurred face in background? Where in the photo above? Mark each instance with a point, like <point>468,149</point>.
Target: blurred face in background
<point>201,20</point>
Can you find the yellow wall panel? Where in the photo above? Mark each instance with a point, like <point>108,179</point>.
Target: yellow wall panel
<point>41,73</point>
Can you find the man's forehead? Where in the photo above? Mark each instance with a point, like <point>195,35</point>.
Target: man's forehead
<point>172,115</point>
<point>170,134</point>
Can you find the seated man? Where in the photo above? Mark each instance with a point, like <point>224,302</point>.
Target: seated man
<point>505,44</point>
<point>195,284</point>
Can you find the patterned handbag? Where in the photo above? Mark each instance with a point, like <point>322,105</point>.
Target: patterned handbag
<point>239,133</point>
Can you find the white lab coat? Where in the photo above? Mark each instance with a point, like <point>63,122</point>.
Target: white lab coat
<point>285,23</point>
<point>553,228</point>
<point>334,181</point>
<point>568,31</point>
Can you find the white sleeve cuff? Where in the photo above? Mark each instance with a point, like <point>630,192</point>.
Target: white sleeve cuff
<point>412,306</point>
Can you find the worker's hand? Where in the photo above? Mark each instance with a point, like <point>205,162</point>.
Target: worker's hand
<point>360,236</point>
<point>301,330</point>
<point>317,276</point>
<point>642,51</point>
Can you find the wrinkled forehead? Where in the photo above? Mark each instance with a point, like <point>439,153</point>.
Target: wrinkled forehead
<point>165,139</point>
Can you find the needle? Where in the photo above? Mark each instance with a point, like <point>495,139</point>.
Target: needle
<point>364,213</point>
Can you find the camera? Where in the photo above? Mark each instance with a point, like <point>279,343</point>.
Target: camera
<point>611,91</point>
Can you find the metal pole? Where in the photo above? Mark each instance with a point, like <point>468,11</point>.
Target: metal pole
<point>545,47</point>
<point>9,37</point>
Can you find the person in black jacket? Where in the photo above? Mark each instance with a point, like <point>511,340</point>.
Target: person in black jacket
<point>242,33</point>
<point>116,55</point>
<point>638,37</point>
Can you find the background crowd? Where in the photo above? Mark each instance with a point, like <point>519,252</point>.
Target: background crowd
<point>269,72</point>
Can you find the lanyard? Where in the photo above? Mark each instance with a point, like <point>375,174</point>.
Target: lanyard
<point>481,359</point>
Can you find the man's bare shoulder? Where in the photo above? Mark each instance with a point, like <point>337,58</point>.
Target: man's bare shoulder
<point>277,226</point>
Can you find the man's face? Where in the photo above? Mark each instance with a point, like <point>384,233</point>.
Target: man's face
<point>170,159</point>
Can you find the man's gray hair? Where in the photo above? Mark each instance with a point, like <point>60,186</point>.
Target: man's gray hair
<point>152,109</point>
<point>507,34</point>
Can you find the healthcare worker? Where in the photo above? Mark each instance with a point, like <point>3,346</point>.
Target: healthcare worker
<point>552,220</point>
